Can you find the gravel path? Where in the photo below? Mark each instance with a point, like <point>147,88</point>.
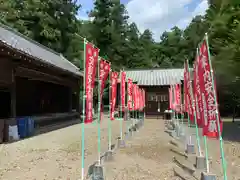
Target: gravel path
<point>147,156</point>
<point>231,151</point>
<point>57,155</point>
<point>54,155</point>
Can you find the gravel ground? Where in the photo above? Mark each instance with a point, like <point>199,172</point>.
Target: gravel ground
<point>54,155</point>
<point>57,155</point>
<point>146,156</point>
<point>231,144</point>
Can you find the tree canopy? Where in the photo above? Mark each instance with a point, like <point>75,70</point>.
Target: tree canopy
<point>54,23</point>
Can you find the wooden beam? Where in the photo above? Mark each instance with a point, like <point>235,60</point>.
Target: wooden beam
<point>41,76</point>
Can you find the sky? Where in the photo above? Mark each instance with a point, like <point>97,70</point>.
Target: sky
<point>156,15</point>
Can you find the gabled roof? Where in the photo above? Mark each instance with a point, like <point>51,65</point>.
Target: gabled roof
<point>27,46</point>
<point>156,77</point>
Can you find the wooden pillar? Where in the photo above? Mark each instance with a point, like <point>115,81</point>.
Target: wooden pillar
<point>70,100</point>
<point>13,95</point>
<point>78,108</point>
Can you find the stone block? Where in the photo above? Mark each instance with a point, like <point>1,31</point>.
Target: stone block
<point>97,173</point>
<point>190,149</point>
<point>200,162</point>
<point>108,156</point>
<point>208,176</point>
<point>121,143</point>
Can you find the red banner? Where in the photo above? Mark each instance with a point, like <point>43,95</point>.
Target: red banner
<point>185,88</point>
<point>137,98</point>
<point>114,79</point>
<point>123,81</point>
<point>187,93</point>
<point>141,99</point>
<point>210,126</point>
<point>134,97</point>
<point>130,94</point>
<point>104,71</point>
<point>197,92</point>
<point>177,98</point>
<point>144,104</point>
<point>91,67</point>
<point>170,97</point>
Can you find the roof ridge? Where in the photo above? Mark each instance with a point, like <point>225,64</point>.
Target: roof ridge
<point>43,48</point>
<point>65,59</point>
<point>152,69</point>
<point>15,31</point>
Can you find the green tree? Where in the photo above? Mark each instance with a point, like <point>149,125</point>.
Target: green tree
<point>50,22</point>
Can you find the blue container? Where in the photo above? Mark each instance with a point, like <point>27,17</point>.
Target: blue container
<point>22,127</point>
<point>30,126</point>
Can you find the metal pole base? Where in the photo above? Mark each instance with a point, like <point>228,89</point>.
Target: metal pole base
<point>200,162</point>
<point>121,143</point>
<point>108,156</point>
<point>208,176</point>
<point>190,149</point>
<point>97,173</point>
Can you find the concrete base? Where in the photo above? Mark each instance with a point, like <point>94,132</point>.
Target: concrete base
<point>181,132</point>
<point>97,173</point>
<point>200,162</point>
<point>178,130</point>
<point>190,149</point>
<point>134,128</point>
<point>174,134</point>
<point>121,143</point>
<point>170,127</point>
<point>137,126</point>
<point>108,156</point>
<point>208,176</point>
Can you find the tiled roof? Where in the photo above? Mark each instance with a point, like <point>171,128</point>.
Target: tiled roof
<point>156,77</point>
<point>25,45</point>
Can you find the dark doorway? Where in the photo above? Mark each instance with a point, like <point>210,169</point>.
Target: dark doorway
<point>5,103</point>
<point>37,97</point>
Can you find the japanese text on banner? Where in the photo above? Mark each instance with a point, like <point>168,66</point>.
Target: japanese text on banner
<point>91,64</point>
<point>130,94</point>
<point>210,111</point>
<point>114,79</point>
<point>123,79</point>
<point>198,92</point>
<point>104,71</point>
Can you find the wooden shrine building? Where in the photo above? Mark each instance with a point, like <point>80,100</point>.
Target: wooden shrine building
<point>35,80</point>
<point>156,83</point>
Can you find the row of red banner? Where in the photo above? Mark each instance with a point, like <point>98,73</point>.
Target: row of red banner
<point>199,100</point>
<point>136,95</point>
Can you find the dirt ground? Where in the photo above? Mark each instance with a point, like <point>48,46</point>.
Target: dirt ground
<point>53,155</point>
<point>231,145</point>
<point>146,156</point>
<point>57,155</point>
